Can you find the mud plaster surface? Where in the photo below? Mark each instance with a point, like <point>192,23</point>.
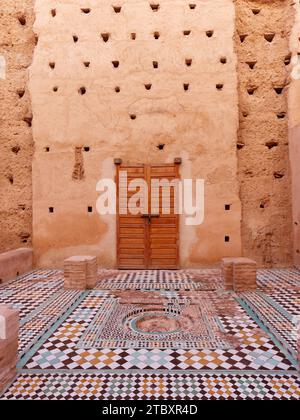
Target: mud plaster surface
<point>264,174</point>
<point>16,144</point>
<point>263,152</point>
<point>75,109</point>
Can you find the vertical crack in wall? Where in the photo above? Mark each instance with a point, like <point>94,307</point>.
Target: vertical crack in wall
<point>262,46</point>
<point>17,43</point>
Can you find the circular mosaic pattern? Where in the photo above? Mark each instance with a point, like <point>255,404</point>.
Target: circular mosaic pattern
<point>155,323</point>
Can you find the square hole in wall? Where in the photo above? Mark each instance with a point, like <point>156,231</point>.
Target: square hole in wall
<point>287,59</point>
<point>21,93</point>
<point>86,10</point>
<point>155,7</point>
<point>15,149</point>
<point>227,238</point>
<point>117,9</point>
<point>82,90</point>
<point>227,207</point>
<point>281,115</point>
<point>51,210</point>
<point>90,209</point>
<point>105,36</point>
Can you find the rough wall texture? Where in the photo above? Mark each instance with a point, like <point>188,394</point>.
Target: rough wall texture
<point>16,48</point>
<point>115,83</point>
<point>294,130</point>
<point>262,44</point>
<point>91,74</point>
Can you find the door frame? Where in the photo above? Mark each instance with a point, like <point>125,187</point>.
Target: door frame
<point>147,168</point>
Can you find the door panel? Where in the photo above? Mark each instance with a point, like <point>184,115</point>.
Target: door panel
<point>164,230</point>
<point>131,229</point>
<point>153,241</point>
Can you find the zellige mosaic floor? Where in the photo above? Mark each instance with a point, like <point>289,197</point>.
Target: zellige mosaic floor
<point>156,335</point>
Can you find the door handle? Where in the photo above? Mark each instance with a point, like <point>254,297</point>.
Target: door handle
<point>149,217</point>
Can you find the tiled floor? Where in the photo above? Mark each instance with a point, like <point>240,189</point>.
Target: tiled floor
<point>87,345</point>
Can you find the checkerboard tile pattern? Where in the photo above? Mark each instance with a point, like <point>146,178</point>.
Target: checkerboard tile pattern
<point>277,319</point>
<point>30,292</point>
<point>52,356</point>
<point>254,367</point>
<point>253,350</point>
<point>33,327</point>
<point>161,280</point>
<point>155,386</point>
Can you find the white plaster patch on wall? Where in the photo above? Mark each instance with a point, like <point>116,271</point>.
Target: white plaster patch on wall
<point>295,73</point>
<point>2,328</point>
<point>2,67</point>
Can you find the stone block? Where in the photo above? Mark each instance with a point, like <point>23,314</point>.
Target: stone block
<point>14,263</point>
<point>244,275</point>
<point>239,274</point>
<point>80,272</point>
<point>227,272</point>
<point>91,272</point>
<point>9,332</point>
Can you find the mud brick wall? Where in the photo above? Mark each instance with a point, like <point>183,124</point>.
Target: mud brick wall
<point>262,46</point>
<point>141,81</point>
<point>16,144</point>
<point>148,82</point>
<point>294,129</point>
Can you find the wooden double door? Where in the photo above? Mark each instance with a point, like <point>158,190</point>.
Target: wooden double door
<point>149,238</point>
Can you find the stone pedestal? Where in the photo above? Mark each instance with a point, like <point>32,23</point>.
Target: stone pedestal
<point>91,272</point>
<point>244,275</point>
<point>80,272</point>
<point>239,274</point>
<point>227,272</point>
<point>9,333</point>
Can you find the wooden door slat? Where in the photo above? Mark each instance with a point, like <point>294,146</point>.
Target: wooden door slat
<point>141,245</point>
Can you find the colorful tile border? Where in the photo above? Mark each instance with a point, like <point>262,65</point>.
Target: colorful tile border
<point>153,386</point>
